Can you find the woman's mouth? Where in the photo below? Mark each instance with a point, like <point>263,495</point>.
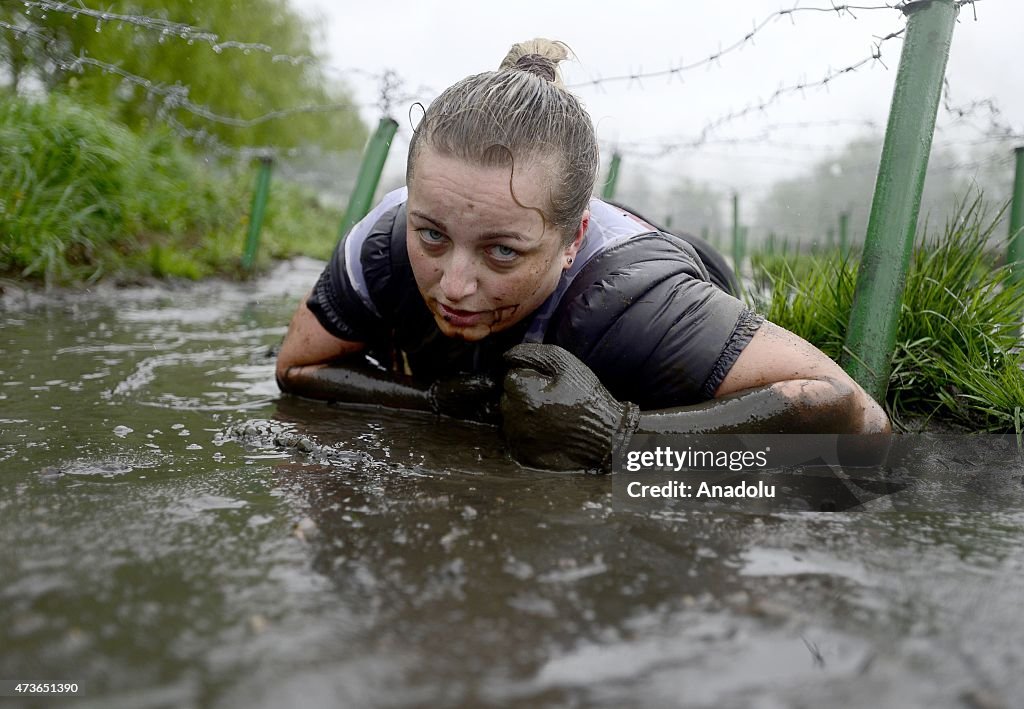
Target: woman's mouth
<point>461,318</point>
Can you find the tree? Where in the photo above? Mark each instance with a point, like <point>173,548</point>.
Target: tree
<point>225,81</point>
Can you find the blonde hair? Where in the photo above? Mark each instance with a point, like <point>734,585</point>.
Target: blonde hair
<point>516,115</point>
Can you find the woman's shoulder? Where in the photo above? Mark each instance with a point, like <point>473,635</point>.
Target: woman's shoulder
<point>715,266</point>
<point>378,229</point>
<point>626,269</point>
<point>368,276</point>
<point>645,316</point>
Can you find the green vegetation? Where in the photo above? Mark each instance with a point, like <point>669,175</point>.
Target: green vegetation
<point>102,109</point>
<point>957,357</point>
<point>230,81</point>
<point>83,197</point>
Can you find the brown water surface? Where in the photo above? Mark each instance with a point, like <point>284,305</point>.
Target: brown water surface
<point>157,556</point>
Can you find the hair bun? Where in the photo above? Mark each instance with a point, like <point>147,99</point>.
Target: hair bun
<point>539,57</point>
<point>537,64</point>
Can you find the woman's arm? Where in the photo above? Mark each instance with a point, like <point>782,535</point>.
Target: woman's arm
<point>779,383</point>
<point>315,364</point>
<point>307,343</point>
<point>557,414</point>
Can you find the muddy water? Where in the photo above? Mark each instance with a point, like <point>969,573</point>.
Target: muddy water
<point>396,561</point>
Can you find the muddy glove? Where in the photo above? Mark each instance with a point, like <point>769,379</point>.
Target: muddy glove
<point>470,397</point>
<point>556,413</point>
<point>355,381</point>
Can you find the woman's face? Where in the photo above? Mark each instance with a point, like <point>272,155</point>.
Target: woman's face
<point>482,262</point>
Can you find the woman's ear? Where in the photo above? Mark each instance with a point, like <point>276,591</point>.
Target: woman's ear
<point>577,242</point>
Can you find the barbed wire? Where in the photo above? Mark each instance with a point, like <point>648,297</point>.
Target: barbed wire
<point>802,86</point>
<point>176,96</point>
<point>191,34</point>
<point>172,97</point>
<point>166,28</point>
<point>997,128</point>
<point>715,57</point>
<point>169,98</point>
<point>672,143</point>
<point>656,149</point>
<point>994,161</point>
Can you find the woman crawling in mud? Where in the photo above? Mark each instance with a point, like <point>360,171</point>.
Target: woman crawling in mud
<point>494,287</point>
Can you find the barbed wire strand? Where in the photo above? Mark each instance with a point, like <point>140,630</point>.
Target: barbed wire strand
<point>734,47</point>
<point>997,128</point>
<point>176,96</point>
<point>802,86</point>
<point>166,28</point>
<point>654,148</point>
<point>676,142</point>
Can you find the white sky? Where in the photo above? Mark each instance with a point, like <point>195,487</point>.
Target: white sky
<point>435,43</point>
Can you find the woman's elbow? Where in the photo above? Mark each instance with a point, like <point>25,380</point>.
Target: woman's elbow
<point>832,405</point>
<point>853,410</point>
<point>872,417</point>
<point>282,373</point>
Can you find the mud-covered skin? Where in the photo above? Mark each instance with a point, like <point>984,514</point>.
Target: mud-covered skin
<point>558,415</point>
<point>807,406</point>
<point>355,381</point>
<point>469,397</point>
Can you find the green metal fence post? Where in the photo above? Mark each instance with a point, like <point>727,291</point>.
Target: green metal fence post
<point>259,205</point>
<point>613,177</point>
<point>369,174</point>
<point>737,237</point>
<point>881,278</point>
<point>844,234</point>
<point>1015,250</point>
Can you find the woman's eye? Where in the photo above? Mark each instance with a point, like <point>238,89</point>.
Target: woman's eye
<point>503,253</point>
<point>431,237</point>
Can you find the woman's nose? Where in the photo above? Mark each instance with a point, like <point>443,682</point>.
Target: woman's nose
<point>459,278</point>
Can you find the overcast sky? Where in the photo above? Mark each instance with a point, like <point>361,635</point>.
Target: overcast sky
<point>432,44</point>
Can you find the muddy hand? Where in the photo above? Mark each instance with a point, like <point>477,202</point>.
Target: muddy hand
<point>557,414</point>
<point>471,397</point>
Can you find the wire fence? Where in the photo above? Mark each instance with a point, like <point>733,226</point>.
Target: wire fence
<point>171,101</point>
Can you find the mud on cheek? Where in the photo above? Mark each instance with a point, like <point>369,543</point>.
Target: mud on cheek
<point>504,314</point>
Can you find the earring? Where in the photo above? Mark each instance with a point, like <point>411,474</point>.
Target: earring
<point>568,261</point>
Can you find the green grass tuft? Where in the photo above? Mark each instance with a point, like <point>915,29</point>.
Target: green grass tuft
<point>957,356</point>
<point>84,198</point>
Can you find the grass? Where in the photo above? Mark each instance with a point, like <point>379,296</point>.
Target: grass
<point>957,357</point>
<point>83,198</point>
